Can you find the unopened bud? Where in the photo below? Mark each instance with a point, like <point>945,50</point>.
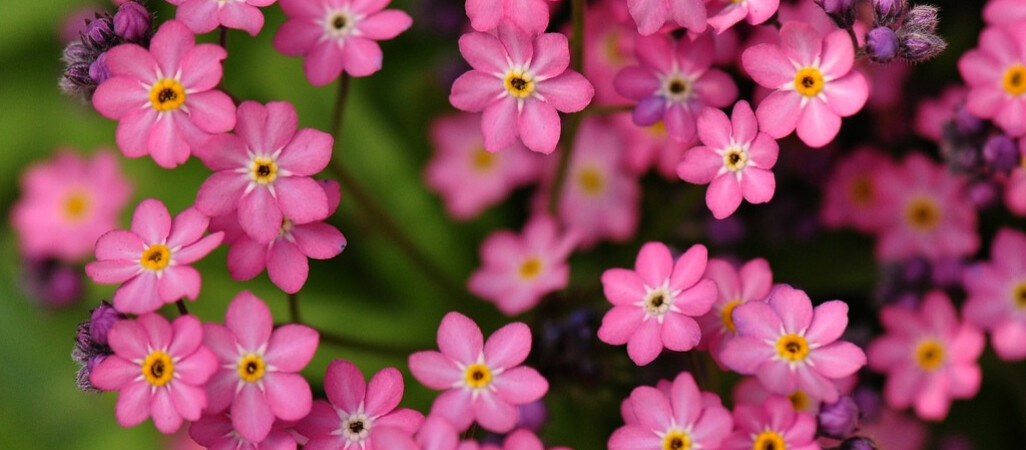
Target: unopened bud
<point>842,12</point>
<point>921,19</point>
<point>838,420</point>
<point>918,47</point>
<point>882,44</point>
<point>132,21</point>
<point>1000,153</point>
<point>888,12</point>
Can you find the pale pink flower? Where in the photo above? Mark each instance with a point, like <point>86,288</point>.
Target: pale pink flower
<point>928,355</point>
<point>724,14</point>
<point>673,82</point>
<point>263,171</point>
<point>203,16</point>
<point>152,260</point>
<point>813,81</point>
<point>655,305</point>
<point>651,15</point>
<point>997,295</point>
<point>735,159</point>
<point>790,346</point>
<point>996,74</point>
<point>609,46</point>
<point>215,431</point>
<point>750,391</point>
<point>164,97</point>
<point>337,35</point>
<point>1004,12</point>
<point>772,425</point>
<point>483,381</point>
<point>650,147</point>
<point>853,195</point>
<point>435,433</point>
<point>895,431</point>
<point>258,376</point>
<point>519,80</point>
<point>530,15</point>
<point>735,287</point>
<point>681,419</point>
<point>357,410</point>
<point>66,203</point>
<point>518,270</point>
<point>159,369</point>
<point>926,213</point>
<point>470,178</point>
<point>522,439</point>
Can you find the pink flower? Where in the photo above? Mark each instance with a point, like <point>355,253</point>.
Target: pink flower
<point>813,80</point>
<point>216,431</point>
<point>789,345</point>
<point>519,270</point>
<point>729,12</point>
<point>752,282</point>
<point>159,369</point>
<point>673,82</point>
<point>750,391</point>
<point>435,433</point>
<point>735,160</point>
<point>357,410</point>
<point>519,80</point>
<point>853,194</point>
<point>522,439</point>
<point>203,16</point>
<point>650,147</point>
<point>164,97</point>
<point>70,197</point>
<point>1004,12</point>
<point>774,424</point>
<point>530,15</point>
<point>1015,190</point>
<point>928,356</point>
<point>655,305</point>
<point>996,75</point>
<point>264,171</point>
<point>997,295</point>
<point>651,15</point>
<point>337,35</point>
<point>484,381</point>
<point>609,46</point>
<point>678,420</point>
<point>285,256</point>
<point>895,431</point>
<point>258,374</point>
<point>468,177</point>
<point>927,213</point>
<point>152,260</point>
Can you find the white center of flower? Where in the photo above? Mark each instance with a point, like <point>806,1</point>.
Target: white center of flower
<point>340,23</point>
<point>356,428</point>
<point>658,301</point>
<point>677,88</point>
<point>735,158</point>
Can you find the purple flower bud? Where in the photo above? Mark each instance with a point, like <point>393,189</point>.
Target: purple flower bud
<point>82,377</point>
<point>838,420</point>
<point>98,70</point>
<point>132,22</point>
<point>51,282</point>
<point>918,47</point>
<point>966,122</point>
<point>1000,153</point>
<point>888,12</point>
<point>102,320</point>
<point>921,19</point>
<point>984,194</point>
<point>857,443</point>
<point>882,44</point>
<point>869,402</point>
<point>533,416</point>
<point>842,12</point>
<point>99,33</point>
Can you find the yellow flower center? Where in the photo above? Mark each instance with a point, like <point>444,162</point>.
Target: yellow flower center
<point>728,319</point>
<point>530,268</point>
<point>861,191</point>
<point>808,81</point>
<point>483,160</point>
<point>263,170</point>
<point>800,401</point>
<point>929,354</point>
<point>591,181</point>
<point>76,206</point>
<point>251,368</point>
<point>735,159</point>
<point>792,347</point>
<point>478,376</point>
<point>519,84</point>
<point>1014,80</point>
<point>1019,295</point>
<point>676,440</point>
<point>769,440</point>
<point>158,369</point>
<point>156,257</point>
<point>923,214</point>
<point>167,95</point>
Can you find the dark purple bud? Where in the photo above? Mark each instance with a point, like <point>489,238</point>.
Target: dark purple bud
<point>82,377</point>
<point>869,402</point>
<point>921,19</point>
<point>857,443</point>
<point>842,12</point>
<point>984,194</point>
<point>1000,153</point>
<point>533,416</point>
<point>966,122</point>
<point>53,283</point>
<point>838,420</point>
<point>882,44</point>
<point>102,320</point>
<point>98,70</point>
<point>132,22</point>
<point>919,47</point>
<point>887,12</point>
<point>99,33</point>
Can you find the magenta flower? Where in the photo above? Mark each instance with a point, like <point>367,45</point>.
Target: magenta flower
<point>928,355</point>
<point>853,195</point>
<point>655,305</point>
<point>729,12</point>
<point>215,431</point>
<point>1004,12</point>
<point>772,425</point>
<point>164,97</point>
<point>358,410</point>
<point>530,15</point>
<point>286,256</point>
<point>69,196</point>
<point>752,282</point>
<point>609,46</point>
<point>470,178</point>
<point>789,345</point>
<point>519,80</point>
<point>484,381</point>
<point>997,295</point>
<point>337,35</point>
<point>673,82</point>
<point>203,16</point>
<point>750,391</point>
<point>735,160</point>
<point>522,439</point>
<point>152,260</point>
<point>996,75</point>
<point>651,15</point>
<point>813,81</point>
<point>258,375</point>
<point>264,171</point>
<point>650,147</point>
<point>519,270</point>
<point>435,433</point>
<point>159,369</point>
<point>680,420</point>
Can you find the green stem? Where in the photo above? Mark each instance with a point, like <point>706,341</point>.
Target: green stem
<point>577,11</point>
<point>182,310</point>
<point>294,308</point>
<point>370,347</point>
<point>222,37</point>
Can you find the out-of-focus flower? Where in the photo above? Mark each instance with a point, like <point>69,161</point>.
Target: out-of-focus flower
<point>774,424</point>
<point>530,15</point>
<point>735,287</point>
<point>853,195</point>
<point>730,12</point>
<point>216,431</point>
<point>203,16</point>
<point>997,295</point>
<point>651,15</point>
<point>996,74</point>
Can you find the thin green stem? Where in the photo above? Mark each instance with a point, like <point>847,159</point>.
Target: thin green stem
<point>340,106</point>
<point>222,37</point>
<point>294,308</point>
<point>357,344</point>
<point>182,310</point>
<point>577,11</point>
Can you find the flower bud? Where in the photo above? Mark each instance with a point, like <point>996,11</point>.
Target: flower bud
<point>99,33</point>
<point>1000,153</point>
<point>921,19</point>
<point>888,12</point>
<point>98,70</point>
<point>102,320</point>
<point>918,47</point>
<point>842,12</point>
<point>838,420</point>
<point>858,443</point>
<point>965,122</point>
<point>882,44</point>
<point>132,22</point>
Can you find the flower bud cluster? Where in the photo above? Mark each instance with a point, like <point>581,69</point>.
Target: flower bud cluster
<point>85,59</point>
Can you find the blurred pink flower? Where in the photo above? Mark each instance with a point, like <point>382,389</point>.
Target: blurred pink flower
<point>609,45</point>
<point>773,424</point>
<point>996,292</point>
<point>651,15</point>
<point>650,147</point>
<point>726,13</point>
<point>215,431</point>
<point>203,16</point>
<point>852,191</point>
<point>522,439</point>
<point>1015,188</point>
<point>750,391</point>
<point>996,74</point>
<point>531,16</point>
<point>681,419</point>
<point>735,287</point>
<point>435,433</point>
